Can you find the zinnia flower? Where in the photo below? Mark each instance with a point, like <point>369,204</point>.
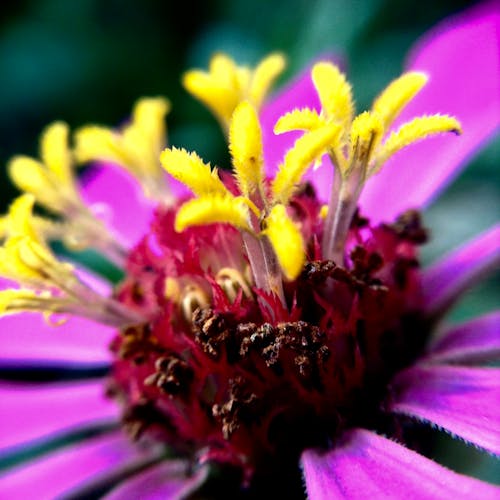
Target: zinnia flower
<point>273,327</point>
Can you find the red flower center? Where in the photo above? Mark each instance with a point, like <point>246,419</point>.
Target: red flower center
<point>225,373</point>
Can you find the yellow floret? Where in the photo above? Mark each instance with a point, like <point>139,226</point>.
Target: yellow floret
<point>334,92</point>
<point>190,169</point>
<point>397,95</point>
<point>299,119</point>
<point>213,208</point>
<point>305,151</point>
<point>245,145</point>
<point>414,131</point>
<point>286,240</point>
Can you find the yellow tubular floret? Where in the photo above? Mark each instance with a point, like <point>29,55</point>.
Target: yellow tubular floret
<point>304,152</point>
<point>55,153</point>
<point>213,208</point>
<point>149,117</point>
<point>366,132</point>
<point>299,119</point>
<point>245,145</point>
<point>264,76</point>
<point>413,131</point>
<point>31,176</point>
<point>99,143</point>
<point>190,169</point>
<point>334,92</point>
<point>397,95</point>
<point>286,240</point>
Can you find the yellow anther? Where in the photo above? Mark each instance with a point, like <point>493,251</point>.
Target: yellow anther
<point>51,182</point>
<point>334,93</point>
<point>397,95</point>
<point>323,211</point>
<point>172,289</point>
<point>299,119</point>
<point>304,152</point>
<point>55,153</point>
<point>232,281</point>
<point>193,298</point>
<point>264,76</point>
<point>366,132</point>
<point>136,147</point>
<point>225,85</point>
<point>413,131</point>
<point>286,240</point>
<point>190,169</point>
<point>213,208</point>
<point>245,145</point>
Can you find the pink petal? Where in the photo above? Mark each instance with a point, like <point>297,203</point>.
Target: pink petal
<point>462,59</point>
<point>463,401</point>
<point>31,412</point>
<point>447,279</point>
<point>476,340</point>
<point>365,465</point>
<point>118,199</point>
<point>28,337</point>
<point>61,471</point>
<point>169,480</point>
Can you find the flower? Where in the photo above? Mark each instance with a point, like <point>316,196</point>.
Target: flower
<point>256,328</point>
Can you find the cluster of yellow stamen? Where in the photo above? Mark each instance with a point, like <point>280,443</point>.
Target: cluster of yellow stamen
<point>52,182</point>
<point>226,84</point>
<point>357,146</point>
<point>48,285</point>
<point>360,150</point>
<point>136,147</point>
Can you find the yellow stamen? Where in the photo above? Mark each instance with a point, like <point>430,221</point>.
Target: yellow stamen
<point>136,147</point>
<point>397,95</point>
<point>366,132</point>
<point>213,208</point>
<point>413,131</point>
<point>299,119</point>
<point>334,93</point>
<point>190,169</point>
<point>225,85</point>
<point>304,152</point>
<point>245,145</point>
<point>286,240</point>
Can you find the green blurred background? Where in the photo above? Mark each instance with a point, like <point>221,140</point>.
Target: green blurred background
<point>89,60</point>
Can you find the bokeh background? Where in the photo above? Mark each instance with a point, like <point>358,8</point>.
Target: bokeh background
<point>88,61</point>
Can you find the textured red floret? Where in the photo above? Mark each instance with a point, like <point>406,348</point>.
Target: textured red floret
<point>225,373</point>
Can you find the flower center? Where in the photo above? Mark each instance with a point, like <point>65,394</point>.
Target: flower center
<point>228,374</point>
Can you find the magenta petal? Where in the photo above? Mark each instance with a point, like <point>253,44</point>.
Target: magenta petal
<point>448,278</point>
<point>476,340</point>
<point>462,59</point>
<point>169,480</point>
<point>30,412</point>
<point>462,400</point>
<point>117,198</point>
<point>366,465</point>
<point>28,337</point>
<point>57,473</point>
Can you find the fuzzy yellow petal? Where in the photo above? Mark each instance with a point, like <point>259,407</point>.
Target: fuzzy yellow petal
<point>334,92</point>
<point>299,119</point>
<point>213,208</point>
<point>55,152</point>
<point>305,151</point>
<point>245,145</point>
<point>264,76</point>
<point>397,95</point>
<point>413,131</point>
<point>366,132</point>
<point>99,143</point>
<point>286,240</point>
<point>190,169</point>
